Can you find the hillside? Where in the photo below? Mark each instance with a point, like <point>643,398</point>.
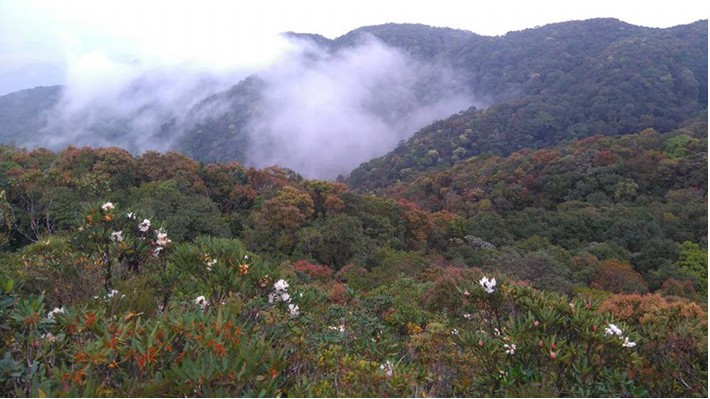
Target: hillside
<point>531,88</point>
<point>622,81</point>
<point>23,114</point>
<point>577,270</point>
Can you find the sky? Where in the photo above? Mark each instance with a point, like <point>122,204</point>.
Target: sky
<point>42,42</point>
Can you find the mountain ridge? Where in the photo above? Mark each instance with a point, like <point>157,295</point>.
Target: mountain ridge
<point>533,87</point>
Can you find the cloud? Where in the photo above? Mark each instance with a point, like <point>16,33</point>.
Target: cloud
<point>322,111</point>
<point>124,100</point>
<point>328,111</point>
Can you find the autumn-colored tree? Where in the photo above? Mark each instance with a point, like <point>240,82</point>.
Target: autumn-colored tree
<point>154,166</point>
<point>325,196</point>
<point>417,222</point>
<point>118,165</point>
<point>618,277</point>
<point>289,209</point>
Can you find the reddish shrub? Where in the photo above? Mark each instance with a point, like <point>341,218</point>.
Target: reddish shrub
<point>316,272</point>
<point>618,277</point>
<point>685,288</point>
<point>644,308</point>
<point>337,293</point>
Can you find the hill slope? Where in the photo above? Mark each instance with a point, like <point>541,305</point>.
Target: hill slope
<point>568,84</point>
<point>362,93</point>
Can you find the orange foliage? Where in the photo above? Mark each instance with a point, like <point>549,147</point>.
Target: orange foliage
<point>645,308</point>
<point>618,277</point>
<point>418,222</point>
<point>337,293</point>
<point>319,272</point>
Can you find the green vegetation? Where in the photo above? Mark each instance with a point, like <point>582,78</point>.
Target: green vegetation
<point>534,248</point>
<point>540,86</point>
<point>160,276</point>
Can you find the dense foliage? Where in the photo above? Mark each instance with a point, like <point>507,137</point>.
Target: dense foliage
<point>579,270</point>
<point>559,81</point>
<point>540,86</point>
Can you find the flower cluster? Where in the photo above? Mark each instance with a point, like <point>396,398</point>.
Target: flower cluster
<point>161,241</point>
<point>210,261</point>
<point>117,236</point>
<point>510,349</point>
<point>293,310</point>
<point>613,330</point>
<point>107,207</point>
<point>488,285</point>
<point>340,328</point>
<point>202,302</point>
<point>55,311</point>
<point>144,226</point>
<point>280,294</point>
<point>387,369</point>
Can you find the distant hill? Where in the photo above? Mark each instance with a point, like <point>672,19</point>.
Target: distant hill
<point>566,80</point>
<point>530,88</point>
<point>24,113</point>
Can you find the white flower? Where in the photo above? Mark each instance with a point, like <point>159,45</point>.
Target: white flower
<point>117,236</point>
<point>49,337</point>
<point>455,331</point>
<point>55,311</point>
<point>293,310</point>
<point>612,330</point>
<point>627,343</point>
<point>144,225</point>
<point>285,297</point>
<point>272,297</point>
<point>340,328</point>
<point>510,349</point>
<point>387,369</point>
<point>281,285</point>
<point>131,215</point>
<point>162,238</point>
<point>156,251</point>
<point>488,285</point>
<point>112,293</point>
<point>107,206</point>
<point>467,316</point>
<point>202,301</point>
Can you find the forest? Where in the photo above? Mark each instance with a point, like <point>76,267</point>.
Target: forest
<point>576,270</point>
<point>548,239</point>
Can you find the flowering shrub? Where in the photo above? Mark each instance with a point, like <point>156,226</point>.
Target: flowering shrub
<point>209,318</point>
<point>674,345</point>
<point>523,338</point>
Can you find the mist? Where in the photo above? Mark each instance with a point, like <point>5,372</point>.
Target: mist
<point>326,112</point>
<point>124,99</point>
<point>322,111</point>
<point>125,105</point>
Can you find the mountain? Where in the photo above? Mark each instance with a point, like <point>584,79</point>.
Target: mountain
<point>566,80</point>
<point>24,113</point>
<point>338,103</point>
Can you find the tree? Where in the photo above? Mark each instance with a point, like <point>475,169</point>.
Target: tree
<point>693,260</point>
<point>619,277</point>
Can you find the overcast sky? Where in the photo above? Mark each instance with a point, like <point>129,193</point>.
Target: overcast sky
<point>41,40</point>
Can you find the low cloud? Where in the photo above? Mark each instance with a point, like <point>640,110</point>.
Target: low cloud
<point>328,111</point>
<point>322,111</point>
